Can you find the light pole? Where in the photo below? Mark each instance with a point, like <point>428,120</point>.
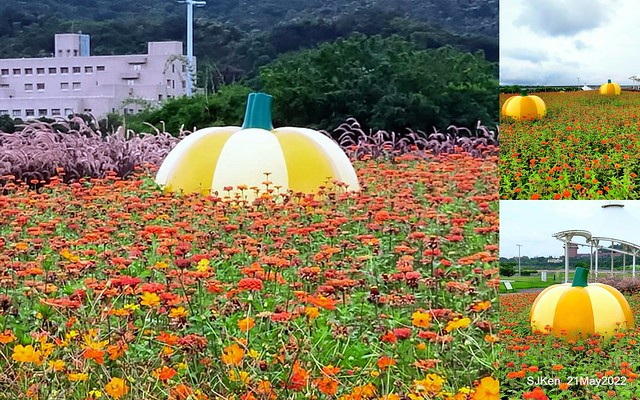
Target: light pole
<point>190,4</point>
<point>519,268</point>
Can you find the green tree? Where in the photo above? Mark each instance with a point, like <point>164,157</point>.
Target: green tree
<point>387,83</point>
<point>507,269</point>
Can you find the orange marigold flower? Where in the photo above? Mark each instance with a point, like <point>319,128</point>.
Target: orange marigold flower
<point>232,355</point>
<point>488,389</point>
<point>116,388</point>
<point>458,323</point>
<point>7,337</point>
<point>246,324</point>
<point>163,373</point>
<point>384,362</point>
<point>77,377</point>
<point>178,312</point>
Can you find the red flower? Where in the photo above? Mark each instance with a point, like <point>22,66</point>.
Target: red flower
<point>250,284</point>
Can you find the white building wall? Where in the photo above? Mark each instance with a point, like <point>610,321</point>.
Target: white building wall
<point>66,84</point>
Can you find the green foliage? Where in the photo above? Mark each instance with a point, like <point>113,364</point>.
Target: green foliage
<point>224,108</point>
<point>387,82</point>
<point>8,124</point>
<point>507,269</point>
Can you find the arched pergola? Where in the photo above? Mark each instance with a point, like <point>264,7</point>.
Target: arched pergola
<point>595,242</point>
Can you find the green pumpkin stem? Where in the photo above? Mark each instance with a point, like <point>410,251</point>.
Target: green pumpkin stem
<point>258,112</point>
<point>523,92</point>
<point>608,80</point>
<point>580,277</point>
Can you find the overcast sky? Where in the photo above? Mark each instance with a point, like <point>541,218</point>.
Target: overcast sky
<point>555,42</point>
<point>531,223</point>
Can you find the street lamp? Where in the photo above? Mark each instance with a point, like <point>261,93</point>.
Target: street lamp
<point>519,268</point>
<point>190,4</point>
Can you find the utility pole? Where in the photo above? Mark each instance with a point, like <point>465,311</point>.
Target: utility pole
<point>519,268</point>
<point>190,4</point>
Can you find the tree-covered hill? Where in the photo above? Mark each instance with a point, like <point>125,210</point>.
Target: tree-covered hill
<point>233,38</point>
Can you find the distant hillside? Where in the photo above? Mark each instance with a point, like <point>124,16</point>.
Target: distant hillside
<point>460,16</point>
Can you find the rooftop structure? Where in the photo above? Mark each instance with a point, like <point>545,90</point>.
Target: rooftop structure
<point>73,81</point>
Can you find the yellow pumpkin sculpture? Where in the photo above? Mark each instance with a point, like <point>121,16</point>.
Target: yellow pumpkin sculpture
<point>524,107</point>
<point>580,309</point>
<point>609,88</point>
<point>212,160</point>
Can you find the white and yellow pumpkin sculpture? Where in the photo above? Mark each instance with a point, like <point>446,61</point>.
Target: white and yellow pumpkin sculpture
<point>579,309</point>
<point>214,159</point>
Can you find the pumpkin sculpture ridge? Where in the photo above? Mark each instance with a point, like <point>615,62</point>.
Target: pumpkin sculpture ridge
<point>610,88</point>
<point>213,160</point>
<point>579,309</point>
<point>524,107</point>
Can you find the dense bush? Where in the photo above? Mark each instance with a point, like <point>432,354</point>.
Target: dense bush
<point>387,82</point>
<point>626,285</point>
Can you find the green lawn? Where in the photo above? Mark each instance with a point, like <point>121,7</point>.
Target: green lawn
<point>529,282</point>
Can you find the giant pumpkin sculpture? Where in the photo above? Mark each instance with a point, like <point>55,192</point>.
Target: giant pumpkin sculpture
<point>609,88</point>
<point>524,107</point>
<point>215,159</point>
<point>581,309</point>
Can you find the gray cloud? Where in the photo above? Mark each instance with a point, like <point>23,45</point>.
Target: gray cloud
<point>564,17</point>
<point>534,56</point>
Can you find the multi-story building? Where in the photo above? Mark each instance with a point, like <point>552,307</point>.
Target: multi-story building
<point>73,81</point>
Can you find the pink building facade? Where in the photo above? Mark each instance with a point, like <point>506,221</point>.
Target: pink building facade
<point>73,81</point>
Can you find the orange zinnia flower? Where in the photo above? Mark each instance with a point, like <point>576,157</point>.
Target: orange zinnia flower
<point>246,324</point>
<point>164,373</point>
<point>384,362</point>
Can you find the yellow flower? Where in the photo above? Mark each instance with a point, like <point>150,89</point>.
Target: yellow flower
<point>131,307</point>
<point>178,312</point>
<point>458,323</point>
<point>311,313</point>
<point>431,384</point>
<point>116,388</point>
<point>77,377</point>
<point>242,376</point>
<point>203,265</point>
<point>26,354</point>
<point>149,299</point>
<point>95,394</point>
<point>420,319</point>
<point>56,365</point>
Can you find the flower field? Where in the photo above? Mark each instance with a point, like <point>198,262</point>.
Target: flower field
<point>540,366</point>
<point>586,147</point>
<point>112,289</point>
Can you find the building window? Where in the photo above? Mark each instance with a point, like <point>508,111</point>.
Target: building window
<point>40,86</point>
<point>100,68</point>
<point>4,85</point>
<point>75,52</point>
<point>28,71</point>
<point>137,67</point>
<point>159,97</point>
<point>16,113</point>
<point>64,85</point>
<point>130,82</point>
<point>52,70</point>
<point>68,111</point>
<point>173,68</point>
<point>184,68</point>
<point>76,70</point>
<point>16,71</point>
<point>28,87</point>
<point>29,112</point>
<point>55,111</point>
<point>4,72</point>
<point>88,70</point>
<point>64,70</point>
<point>40,71</point>
<point>42,112</point>
<point>4,112</point>
<point>169,83</point>
<point>76,85</point>
<point>184,84</point>
<point>87,110</point>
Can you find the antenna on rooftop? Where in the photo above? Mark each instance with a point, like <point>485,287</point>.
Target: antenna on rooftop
<point>190,4</point>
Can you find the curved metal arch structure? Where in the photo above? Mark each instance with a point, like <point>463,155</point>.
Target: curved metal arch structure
<point>595,243</point>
